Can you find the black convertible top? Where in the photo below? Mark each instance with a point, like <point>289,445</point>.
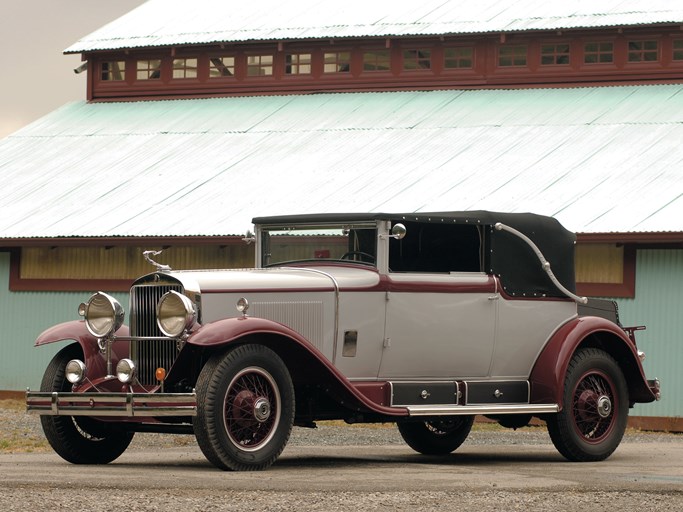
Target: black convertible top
<point>506,255</point>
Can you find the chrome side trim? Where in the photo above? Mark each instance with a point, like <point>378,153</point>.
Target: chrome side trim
<point>111,404</point>
<point>463,410</point>
<point>545,264</point>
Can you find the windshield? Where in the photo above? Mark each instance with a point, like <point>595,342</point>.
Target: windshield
<point>340,243</point>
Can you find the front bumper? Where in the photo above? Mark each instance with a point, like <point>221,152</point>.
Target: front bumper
<point>111,404</point>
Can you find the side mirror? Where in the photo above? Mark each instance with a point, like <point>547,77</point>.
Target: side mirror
<point>398,231</point>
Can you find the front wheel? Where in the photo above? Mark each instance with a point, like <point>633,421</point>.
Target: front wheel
<point>78,439</point>
<point>594,408</point>
<point>436,437</point>
<point>245,408</point>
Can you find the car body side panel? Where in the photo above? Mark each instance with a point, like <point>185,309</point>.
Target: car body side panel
<point>524,327</point>
<point>439,335</point>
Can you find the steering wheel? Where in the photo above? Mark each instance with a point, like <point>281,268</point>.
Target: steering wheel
<point>348,255</point>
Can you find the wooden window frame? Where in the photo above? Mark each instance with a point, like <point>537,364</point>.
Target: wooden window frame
<point>642,51</point>
<point>294,63</point>
<point>377,61</point>
<point>232,68</point>
<point>598,53</point>
<point>180,65</point>
<point>555,54</point>
<point>336,60</point>
<point>110,73</point>
<point>416,60</point>
<point>148,69</point>
<point>265,69</point>
<point>515,54</point>
<point>677,53</point>
<point>458,58</point>
<point>625,289</point>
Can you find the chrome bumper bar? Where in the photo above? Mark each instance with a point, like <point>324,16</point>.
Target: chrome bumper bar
<point>111,404</point>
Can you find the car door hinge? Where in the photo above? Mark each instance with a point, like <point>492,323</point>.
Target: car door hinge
<point>387,342</point>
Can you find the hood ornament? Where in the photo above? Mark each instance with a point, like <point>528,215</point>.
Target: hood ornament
<point>160,266</point>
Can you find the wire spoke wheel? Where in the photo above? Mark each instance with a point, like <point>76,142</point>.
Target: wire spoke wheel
<point>252,408</point>
<point>593,407</point>
<point>594,412</point>
<point>245,408</point>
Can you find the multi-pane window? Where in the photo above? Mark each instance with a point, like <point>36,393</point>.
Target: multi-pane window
<point>259,65</point>
<point>513,55</point>
<point>298,64</point>
<point>417,59</point>
<point>221,67</point>
<point>554,54</point>
<point>337,62</point>
<point>598,52</point>
<point>377,60</point>
<point>113,71</point>
<point>643,51</point>
<point>148,69</point>
<point>458,57</point>
<point>677,49</point>
<point>185,68</point>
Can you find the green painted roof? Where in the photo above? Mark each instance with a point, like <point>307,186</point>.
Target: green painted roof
<point>600,159</point>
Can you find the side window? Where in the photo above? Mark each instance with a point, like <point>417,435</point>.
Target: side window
<point>437,248</point>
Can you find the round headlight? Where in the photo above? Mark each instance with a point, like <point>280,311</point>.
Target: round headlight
<point>175,314</point>
<point>103,315</point>
<point>125,370</point>
<point>75,371</point>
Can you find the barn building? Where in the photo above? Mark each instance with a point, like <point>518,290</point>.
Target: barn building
<point>199,116</point>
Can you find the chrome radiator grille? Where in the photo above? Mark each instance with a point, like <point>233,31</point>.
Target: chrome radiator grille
<point>155,353</point>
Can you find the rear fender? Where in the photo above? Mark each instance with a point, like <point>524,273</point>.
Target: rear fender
<point>305,362</point>
<point>94,359</point>
<point>548,375</point>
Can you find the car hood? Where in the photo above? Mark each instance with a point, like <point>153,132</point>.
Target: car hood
<point>276,279</point>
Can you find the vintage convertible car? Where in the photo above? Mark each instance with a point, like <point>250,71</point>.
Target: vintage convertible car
<point>425,320</point>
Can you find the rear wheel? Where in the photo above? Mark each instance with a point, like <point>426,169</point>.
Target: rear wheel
<point>436,437</point>
<point>79,439</point>
<point>245,408</point>
<point>595,408</point>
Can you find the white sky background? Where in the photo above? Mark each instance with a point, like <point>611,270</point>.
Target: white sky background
<point>35,76</point>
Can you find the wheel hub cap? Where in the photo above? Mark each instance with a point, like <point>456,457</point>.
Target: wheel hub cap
<point>604,406</point>
<point>261,409</point>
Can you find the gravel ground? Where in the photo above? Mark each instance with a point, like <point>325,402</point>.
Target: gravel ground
<point>21,432</point>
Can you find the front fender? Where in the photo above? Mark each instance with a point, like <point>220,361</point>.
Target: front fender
<point>94,359</point>
<point>230,330</point>
<point>548,375</point>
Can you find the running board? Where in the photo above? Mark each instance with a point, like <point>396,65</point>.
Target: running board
<point>469,410</point>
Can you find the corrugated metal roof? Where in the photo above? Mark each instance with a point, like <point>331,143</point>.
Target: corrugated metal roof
<point>599,159</point>
<point>179,22</point>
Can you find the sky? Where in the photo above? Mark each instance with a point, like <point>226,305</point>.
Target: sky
<point>35,76</point>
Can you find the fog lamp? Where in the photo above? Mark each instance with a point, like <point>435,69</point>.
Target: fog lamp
<point>175,314</point>
<point>125,370</point>
<point>75,371</point>
<point>103,314</point>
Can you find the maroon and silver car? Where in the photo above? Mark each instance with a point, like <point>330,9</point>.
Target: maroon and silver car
<point>424,320</point>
